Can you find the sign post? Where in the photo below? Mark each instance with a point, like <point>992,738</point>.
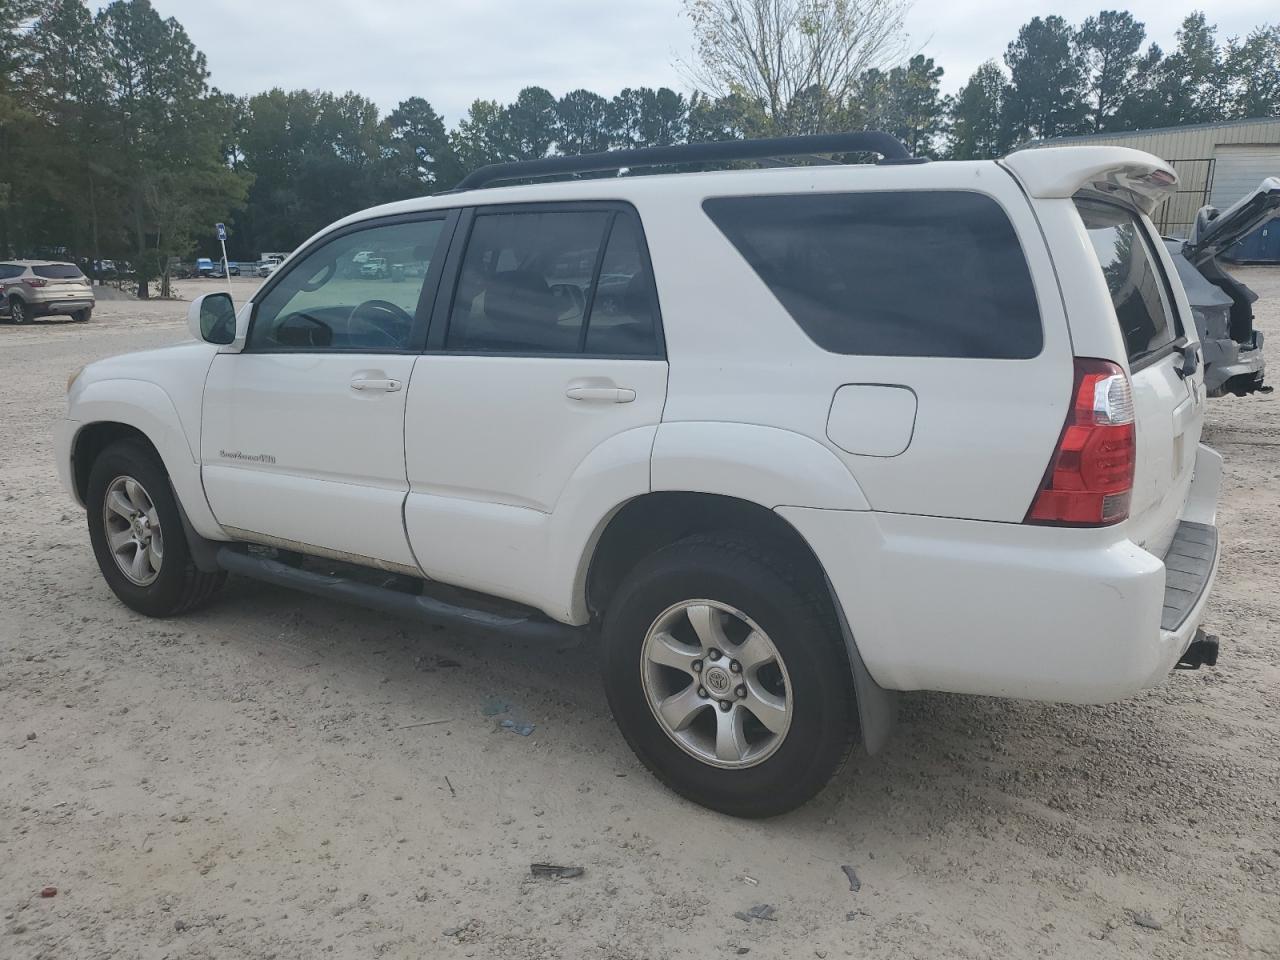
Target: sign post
<point>226,267</point>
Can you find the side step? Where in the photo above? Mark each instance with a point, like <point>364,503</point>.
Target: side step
<point>396,602</point>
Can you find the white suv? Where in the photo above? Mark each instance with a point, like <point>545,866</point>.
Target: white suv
<point>791,439</point>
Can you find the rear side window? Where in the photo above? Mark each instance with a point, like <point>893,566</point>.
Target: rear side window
<point>58,271</point>
<point>554,282</point>
<point>1139,291</point>
<point>911,274</point>
<point>10,270</point>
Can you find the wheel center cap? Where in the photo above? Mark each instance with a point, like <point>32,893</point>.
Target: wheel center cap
<point>717,681</point>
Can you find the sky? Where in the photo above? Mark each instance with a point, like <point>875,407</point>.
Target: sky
<point>453,53</point>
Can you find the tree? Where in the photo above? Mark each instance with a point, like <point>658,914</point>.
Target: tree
<point>530,124</point>
<point>644,117</point>
<point>1108,45</point>
<point>1252,67</point>
<point>422,156</point>
<point>582,123</point>
<point>1046,96</point>
<point>166,138</point>
<point>783,53</point>
<point>1190,82</point>
<point>907,103</point>
<point>977,113</point>
<point>482,136</point>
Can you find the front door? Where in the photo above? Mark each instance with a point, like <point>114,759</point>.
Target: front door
<point>302,440</point>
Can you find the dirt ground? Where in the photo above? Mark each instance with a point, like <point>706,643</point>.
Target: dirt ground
<point>248,782</point>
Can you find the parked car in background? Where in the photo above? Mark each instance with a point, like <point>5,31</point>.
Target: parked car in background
<point>1221,304</point>
<point>786,440</point>
<point>231,268</point>
<point>41,288</point>
<point>375,268</point>
<point>266,268</point>
<point>204,267</point>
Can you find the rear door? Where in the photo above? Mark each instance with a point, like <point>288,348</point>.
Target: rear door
<point>548,346</point>
<point>1168,397</point>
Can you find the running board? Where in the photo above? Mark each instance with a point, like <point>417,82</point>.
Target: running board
<point>395,602</point>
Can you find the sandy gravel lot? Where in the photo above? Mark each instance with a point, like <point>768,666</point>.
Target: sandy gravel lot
<point>241,783</point>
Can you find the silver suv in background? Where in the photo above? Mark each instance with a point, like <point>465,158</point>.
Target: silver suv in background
<point>40,288</point>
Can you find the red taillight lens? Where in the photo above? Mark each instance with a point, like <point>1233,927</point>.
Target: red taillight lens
<point>35,282</point>
<point>1090,477</point>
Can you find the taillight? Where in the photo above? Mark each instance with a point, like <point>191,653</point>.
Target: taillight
<point>1090,478</point>
<point>36,282</point>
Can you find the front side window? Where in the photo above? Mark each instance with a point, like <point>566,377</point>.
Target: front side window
<point>358,292</point>
<point>1137,286</point>
<point>557,282</point>
<point>927,273</point>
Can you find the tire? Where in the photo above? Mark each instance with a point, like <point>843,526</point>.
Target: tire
<point>83,316</point>
<point>18,310</point>
<point>748,588</point>
<point>177,585</point>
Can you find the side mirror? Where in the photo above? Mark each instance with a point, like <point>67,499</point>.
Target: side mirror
<point>212,318</point>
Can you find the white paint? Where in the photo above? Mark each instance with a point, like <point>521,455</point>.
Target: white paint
<point>872,419</point>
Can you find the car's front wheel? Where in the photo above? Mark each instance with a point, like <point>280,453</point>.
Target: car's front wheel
<point>728,676</point>
<point>137,535</point>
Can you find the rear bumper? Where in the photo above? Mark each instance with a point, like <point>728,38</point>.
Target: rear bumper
<point>1227,360</point>
<point>46,308</point>
<point>1009,610</point>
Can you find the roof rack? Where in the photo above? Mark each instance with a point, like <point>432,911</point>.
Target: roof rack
<point>866,141</point>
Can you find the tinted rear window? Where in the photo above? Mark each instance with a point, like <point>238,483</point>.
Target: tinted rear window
<point>58,271</point>
<point>10,270</point>
<point>912,274</point>
<point>1139,291</point>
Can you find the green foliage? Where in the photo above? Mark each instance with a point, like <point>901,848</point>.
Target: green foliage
<point>113,145</point>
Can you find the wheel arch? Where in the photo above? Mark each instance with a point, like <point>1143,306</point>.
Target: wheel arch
<point>110,410</point>
<point>650,522</point>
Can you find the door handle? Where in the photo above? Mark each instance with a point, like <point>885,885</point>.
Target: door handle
<point>601,394</point>
<point>373,385</point>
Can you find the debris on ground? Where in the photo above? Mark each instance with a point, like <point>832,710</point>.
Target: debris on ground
<point>494,706</point>
<point>31,736</point>
<point>452,792</point>
<point>424,723</point>
<point>761,911</point>
<point>453,931</point>
<point>1144,919</point>
<point>49,892</point>
<point>555,870</point>
<point>854,883</point>
<point>747,879</point>
<point>522,727</point>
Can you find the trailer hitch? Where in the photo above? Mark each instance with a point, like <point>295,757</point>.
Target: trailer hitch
<point>1202,651</point>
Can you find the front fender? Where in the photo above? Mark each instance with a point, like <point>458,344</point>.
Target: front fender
<point>765,465</point>
<point>146,407</point>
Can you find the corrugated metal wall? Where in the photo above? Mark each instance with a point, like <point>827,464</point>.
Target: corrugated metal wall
<point>1239,168</point>
<point>1186,143</point>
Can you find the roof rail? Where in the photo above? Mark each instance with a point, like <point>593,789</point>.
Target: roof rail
<point>866,141</point>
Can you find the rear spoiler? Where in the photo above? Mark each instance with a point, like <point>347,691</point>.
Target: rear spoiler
<point>1214,232</point>
<point>1139,178</point>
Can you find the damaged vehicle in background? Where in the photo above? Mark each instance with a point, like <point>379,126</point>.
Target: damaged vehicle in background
<point>1221,304</point>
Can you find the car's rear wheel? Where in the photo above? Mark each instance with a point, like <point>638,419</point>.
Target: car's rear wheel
<point>18,310</point>
<point>728,676</point>
<point>137,534</point>
<point>82,316</point>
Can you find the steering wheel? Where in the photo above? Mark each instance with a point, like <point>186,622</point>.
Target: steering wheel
<point>382,318</point>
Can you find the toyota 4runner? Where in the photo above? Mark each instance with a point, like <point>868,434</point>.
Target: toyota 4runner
<point>789,439</point>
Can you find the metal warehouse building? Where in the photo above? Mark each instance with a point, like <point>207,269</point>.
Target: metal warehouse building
<point>1217,163</point>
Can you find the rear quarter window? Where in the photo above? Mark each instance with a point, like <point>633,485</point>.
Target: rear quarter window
<point>892,273</point>
<point>10,270</point>
<point>58,271</point>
